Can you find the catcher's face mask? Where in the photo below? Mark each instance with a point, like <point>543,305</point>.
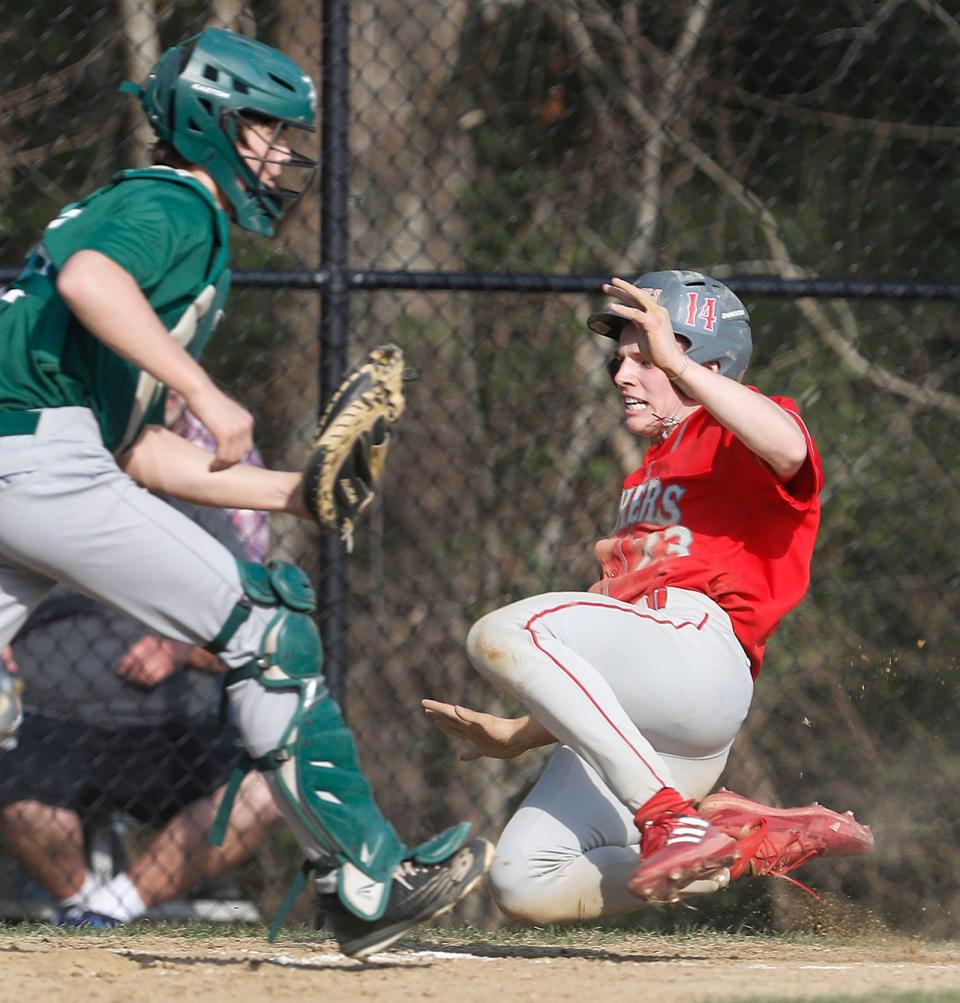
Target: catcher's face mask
<point>276,175</point>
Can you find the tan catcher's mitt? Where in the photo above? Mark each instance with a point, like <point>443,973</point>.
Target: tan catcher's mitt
<point>350,443</point>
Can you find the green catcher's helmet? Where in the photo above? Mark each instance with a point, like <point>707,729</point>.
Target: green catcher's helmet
<point>703,311</point>
<point>199,94</point>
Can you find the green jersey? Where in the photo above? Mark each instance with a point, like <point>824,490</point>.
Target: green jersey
<point>164,228</point>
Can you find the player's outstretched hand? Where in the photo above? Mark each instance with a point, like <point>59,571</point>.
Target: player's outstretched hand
<point>496,737</point>
<point>229,423</point>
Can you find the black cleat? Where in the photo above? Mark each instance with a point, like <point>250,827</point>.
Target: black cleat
<point>419,892</point>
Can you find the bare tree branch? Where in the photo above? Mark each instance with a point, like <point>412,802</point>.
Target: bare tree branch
<point>862,35</point>
<point>30,98</point>
<point>666,103</point>
<point>770,228</point>
<point>66,144</point>
<point>937,10</point>
<point>837,122</point>
<point>142,44</point>
<point>233,14</point>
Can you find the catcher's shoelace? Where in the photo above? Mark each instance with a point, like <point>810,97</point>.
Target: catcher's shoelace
<point>764,857</point>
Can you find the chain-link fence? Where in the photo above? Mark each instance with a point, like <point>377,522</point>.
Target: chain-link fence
<point>486,164</point>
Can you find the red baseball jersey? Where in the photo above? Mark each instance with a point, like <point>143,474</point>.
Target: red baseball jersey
<point>705,513</point>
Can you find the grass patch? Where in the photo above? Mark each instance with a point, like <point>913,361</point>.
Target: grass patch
<point>602,936</point>
<point>502,936</point>
<point>507,940</point>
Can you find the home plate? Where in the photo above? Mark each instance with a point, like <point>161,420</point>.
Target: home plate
<point>392,958</point>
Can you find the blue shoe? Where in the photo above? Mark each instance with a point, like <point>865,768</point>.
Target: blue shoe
<point>75,917</point>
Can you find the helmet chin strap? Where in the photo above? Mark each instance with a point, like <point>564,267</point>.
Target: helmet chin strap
<point>667,422</point>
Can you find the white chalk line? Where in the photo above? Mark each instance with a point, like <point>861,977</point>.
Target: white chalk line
<point>418,957</point>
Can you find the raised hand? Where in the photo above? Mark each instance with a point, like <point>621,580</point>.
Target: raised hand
<point>657,343</point>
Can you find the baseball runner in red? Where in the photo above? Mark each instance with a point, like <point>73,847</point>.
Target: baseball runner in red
<point>646,678</point>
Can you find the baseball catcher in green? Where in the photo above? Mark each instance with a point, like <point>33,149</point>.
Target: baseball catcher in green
<point>114,305</point>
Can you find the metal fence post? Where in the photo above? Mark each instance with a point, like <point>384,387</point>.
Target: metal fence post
<point>334,304</point>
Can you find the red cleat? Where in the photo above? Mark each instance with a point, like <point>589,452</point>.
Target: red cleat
<point>677,846</point>
<point>774,841</point>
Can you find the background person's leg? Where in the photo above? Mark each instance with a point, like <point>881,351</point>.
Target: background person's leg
<point>42,782</point>
<point>48,842</point>
<point>180,858</point>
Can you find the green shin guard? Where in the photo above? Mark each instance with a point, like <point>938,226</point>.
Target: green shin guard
<point>335,791</point>
<point>321,780</point>
<point>311,761</point>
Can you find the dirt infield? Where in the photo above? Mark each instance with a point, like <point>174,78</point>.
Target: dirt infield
<point>129,967</point>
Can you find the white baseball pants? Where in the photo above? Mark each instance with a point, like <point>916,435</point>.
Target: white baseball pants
<point>643,696</point>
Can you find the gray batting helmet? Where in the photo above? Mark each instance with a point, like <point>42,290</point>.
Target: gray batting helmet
<point>703,311</point>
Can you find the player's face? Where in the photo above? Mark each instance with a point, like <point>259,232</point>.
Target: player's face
<point>263,146</point>
<point>648,395</point>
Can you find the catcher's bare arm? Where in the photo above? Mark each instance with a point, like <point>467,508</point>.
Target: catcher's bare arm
<point>342,472</point>
<point>165,462</point>
<point>107,300</point>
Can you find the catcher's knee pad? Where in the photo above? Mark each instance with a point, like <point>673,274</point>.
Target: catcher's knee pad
<point>294,732</point>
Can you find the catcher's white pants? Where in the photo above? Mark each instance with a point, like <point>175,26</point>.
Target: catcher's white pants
<point>643,696</point>
<point>69,514</point>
